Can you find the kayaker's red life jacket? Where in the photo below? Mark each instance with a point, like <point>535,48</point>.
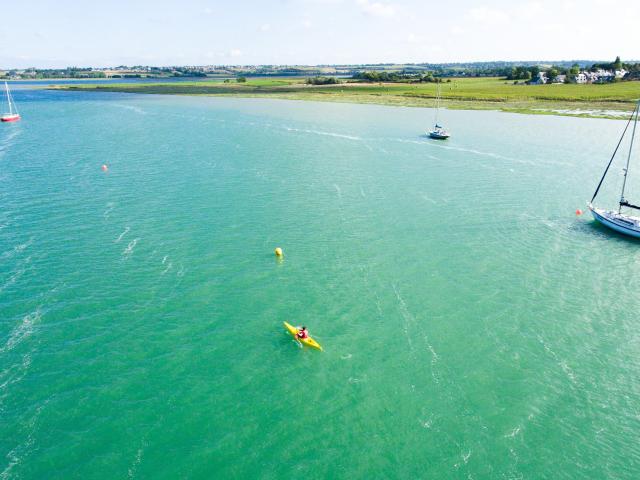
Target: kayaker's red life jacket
<point>303,334</point>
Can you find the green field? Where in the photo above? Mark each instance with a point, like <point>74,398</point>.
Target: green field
<point>589,100</point>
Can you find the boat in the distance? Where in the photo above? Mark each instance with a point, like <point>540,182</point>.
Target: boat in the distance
<point>438,132</point>
<point>617,220</point>
<point>13,115</point>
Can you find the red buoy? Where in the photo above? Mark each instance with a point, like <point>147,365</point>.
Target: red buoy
<point>578,212</point>
<point>104,168</point>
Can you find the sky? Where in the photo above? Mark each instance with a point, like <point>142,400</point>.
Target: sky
<point>60,33</point>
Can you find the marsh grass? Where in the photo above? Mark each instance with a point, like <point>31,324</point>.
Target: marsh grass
<point>466,93</point>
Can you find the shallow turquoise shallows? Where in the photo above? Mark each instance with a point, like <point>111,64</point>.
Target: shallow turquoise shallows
<point>473,326</point>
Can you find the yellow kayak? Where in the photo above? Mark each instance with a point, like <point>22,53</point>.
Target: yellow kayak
<point>309,342</point>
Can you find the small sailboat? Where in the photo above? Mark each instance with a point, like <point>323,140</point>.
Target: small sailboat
<point>438,132</point>
<point>13,115</point>
<point>617,220</point>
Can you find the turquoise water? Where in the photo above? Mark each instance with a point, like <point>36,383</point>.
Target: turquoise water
<point>473,326</point>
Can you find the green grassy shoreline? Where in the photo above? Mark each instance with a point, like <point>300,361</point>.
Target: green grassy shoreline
<point>612,101</point>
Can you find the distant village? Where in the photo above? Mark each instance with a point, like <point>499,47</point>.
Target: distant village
<point>585,76</point>
<point>529,73</point>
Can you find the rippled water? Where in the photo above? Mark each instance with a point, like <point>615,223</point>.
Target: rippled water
<point>473,327</point>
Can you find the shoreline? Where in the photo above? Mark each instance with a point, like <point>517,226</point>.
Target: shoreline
<point>403,95</point>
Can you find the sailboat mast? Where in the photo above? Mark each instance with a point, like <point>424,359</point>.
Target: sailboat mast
<point>6,87</point>
<point>437,101</point>
<point>595,194</point>
<point>626,170</point>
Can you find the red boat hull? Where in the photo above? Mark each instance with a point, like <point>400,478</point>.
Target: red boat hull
<point>10,118</point>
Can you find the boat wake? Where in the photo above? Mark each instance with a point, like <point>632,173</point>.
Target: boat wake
<point>131,108</point>
<point>411,325</point>
<point>7,142</point>
<point>13,278</point>
<point>126,230</point>
<point>131,472</point>
<point>180,272</point>
<point>20,451</point>
<point>327,134</point>
<point>17,249</point>
<point>354,380</point>
<point>567,370</point>
<point>22,331</point>
<point>458,149</point>
<point>110,207</point>
<point>129,250</point>
<point>167,269</point>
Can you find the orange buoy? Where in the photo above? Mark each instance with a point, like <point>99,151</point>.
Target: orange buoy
<point>104,168</point>
<point>578,212</point>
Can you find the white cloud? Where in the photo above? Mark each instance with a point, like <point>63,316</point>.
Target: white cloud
<point>265,27</point>
<point>234,52</point>
<point>306,23</point>
<point>457,30</point>
<point>554,27</point>
<point>208,11</point>
<point>530,9</point>
<point>413,38</point>
<point>488,16</point>
<point>377,9</point>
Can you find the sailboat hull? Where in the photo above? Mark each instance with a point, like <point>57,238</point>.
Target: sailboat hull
<point>624,224</point>
<point>10,118</point>
<point>439,135</point>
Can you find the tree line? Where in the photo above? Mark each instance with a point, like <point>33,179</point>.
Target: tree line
<point>526,72</point>
<point>419,72</point>
<point>402,76</point>
<point>320,80</point>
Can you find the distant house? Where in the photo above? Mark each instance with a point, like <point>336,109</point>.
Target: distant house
<point>620,73</point>
<point>541,79</point>
<point>581,77</point>
<point>560,79</point>
<point>602,76</point>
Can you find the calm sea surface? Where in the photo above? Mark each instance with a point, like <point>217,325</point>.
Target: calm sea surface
<point>473,326</point>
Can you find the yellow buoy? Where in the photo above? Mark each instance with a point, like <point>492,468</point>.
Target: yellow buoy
<point>278,252</point>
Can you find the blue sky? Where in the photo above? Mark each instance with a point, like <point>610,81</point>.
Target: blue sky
<point>59,33</point>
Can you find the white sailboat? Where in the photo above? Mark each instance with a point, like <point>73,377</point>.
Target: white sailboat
<point>13,115</point>
<point>616,220</point>
<point>438,132</point>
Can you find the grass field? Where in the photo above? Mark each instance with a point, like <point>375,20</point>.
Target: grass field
<point>590,100</point>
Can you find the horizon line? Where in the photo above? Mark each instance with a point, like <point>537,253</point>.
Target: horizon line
<point>226,65</point>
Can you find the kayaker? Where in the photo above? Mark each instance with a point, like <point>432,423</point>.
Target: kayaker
<point>302,332</point>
